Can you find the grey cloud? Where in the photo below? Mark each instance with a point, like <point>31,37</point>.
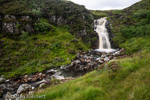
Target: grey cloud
<point>105,4</point>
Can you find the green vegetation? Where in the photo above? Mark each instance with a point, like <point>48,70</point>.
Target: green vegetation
<point>98,14</point>
<point>129,81</point>
<point>38,52</point>
<point>116,11</point>
<point>131,22</point>
<point>36,42</point>
<point>52,45</point>
<point>68,13</point>
<point>42,26</point>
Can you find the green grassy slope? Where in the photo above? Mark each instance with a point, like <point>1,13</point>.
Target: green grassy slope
<point>132,22</point>
<point>38,52</point>
<point>131,78</point>
<point>130,81</point>
<point>48,44</point>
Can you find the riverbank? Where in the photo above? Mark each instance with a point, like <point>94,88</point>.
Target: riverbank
<point>83,63</point>
<point>123,79</point>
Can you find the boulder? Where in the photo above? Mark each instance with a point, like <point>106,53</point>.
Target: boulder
<point>13,17</point>
<point>42,85</point>
<point>102,59</point>
<point>24,88</point>
<point>51,71</point>
<point>29,28</point>
<point>110,57</point>
<point>83,32</point>
<point>53,18</point>
<point>2,87</point>
<point>59,20</point>
<point>9,27</point>
<point>101,62</point>
<point>14,96</point>
<point>6,16</point>
<point>63,67</point>
<point>103,56</point>
<point>58,77</point>
<point>25,18</point>
<point>8,96</point>
<point>2,80</point>
<point>106,59</point>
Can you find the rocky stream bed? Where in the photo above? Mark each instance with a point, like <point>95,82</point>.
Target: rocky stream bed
<point>18,88</point>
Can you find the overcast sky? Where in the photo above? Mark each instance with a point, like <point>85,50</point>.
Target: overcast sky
<point>105,4</point>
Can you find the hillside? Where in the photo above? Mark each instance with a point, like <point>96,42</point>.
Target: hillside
<point>37,35</point>
<point>27,13</point>
<point>42,34</point>
<point>130,79</point>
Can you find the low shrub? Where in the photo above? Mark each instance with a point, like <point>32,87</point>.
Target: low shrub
<point>42,26</point>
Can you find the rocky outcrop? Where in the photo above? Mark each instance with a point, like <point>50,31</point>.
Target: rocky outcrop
<point>76,18</point>
<point>29,28</point>
<point>10,27</point>
<point>58,19</point>
<point>82,33</point>
<point>23,88</point>
<point>53,19</point>
<point>14,25</point>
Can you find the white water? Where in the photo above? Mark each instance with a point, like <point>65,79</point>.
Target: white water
<point>104,43</point>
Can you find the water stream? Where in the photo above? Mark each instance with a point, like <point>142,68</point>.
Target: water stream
<point>83,63</point>
<point>100,28</point>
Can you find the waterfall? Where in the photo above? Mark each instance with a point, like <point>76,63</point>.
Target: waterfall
<point>100,28</point>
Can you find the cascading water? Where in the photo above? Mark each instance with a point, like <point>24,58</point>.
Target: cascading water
<point>100,28</point>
